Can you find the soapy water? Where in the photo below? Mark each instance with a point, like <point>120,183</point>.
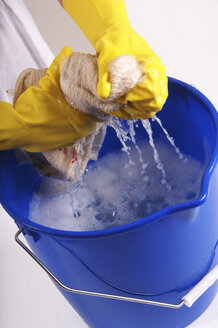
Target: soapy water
<point>120,187</point>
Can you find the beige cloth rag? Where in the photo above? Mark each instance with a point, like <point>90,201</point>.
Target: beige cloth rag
<point>79,74</point>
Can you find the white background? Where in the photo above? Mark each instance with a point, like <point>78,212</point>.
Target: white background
<point>184,34</point>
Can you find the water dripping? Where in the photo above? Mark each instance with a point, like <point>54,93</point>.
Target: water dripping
<point>122,135</point>
<point>171,140</point>
<point>147,126</point>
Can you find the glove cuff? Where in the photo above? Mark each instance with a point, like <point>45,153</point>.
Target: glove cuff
<point>95,17</point>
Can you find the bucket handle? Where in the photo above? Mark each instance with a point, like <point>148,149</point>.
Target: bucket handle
<point>207,281</point>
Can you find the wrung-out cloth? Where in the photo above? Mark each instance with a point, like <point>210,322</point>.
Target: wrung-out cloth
<point>71,80</point>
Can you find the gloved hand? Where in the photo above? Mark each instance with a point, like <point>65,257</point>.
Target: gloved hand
<point>106,25</point>
<point>41,118</point>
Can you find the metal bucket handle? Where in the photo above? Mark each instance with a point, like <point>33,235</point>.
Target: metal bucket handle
<point>207,281</point>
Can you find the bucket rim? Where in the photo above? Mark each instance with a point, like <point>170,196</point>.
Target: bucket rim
<point>32,226</point>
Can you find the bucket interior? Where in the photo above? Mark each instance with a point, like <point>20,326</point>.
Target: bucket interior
<point>188,117</point>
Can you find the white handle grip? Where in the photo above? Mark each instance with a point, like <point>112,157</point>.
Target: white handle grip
<point>201,287</point>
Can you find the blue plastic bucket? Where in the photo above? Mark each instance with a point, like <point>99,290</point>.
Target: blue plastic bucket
<point>160,257</point>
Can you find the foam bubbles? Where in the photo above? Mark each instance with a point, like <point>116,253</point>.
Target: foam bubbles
<point>113,193</point>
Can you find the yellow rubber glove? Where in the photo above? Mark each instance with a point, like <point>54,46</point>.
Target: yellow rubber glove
<point>106,25</point>
<point>41,119</point>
